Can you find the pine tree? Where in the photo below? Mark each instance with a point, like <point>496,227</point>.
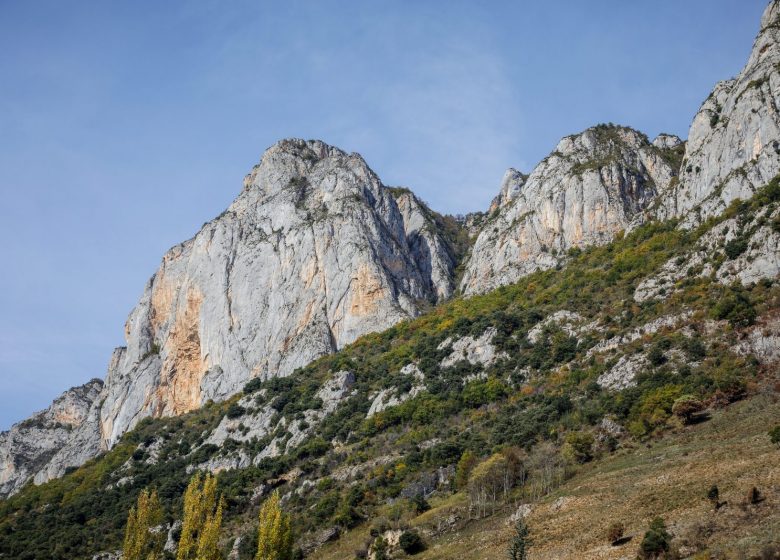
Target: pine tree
<point>202,520</point>
<point>141,543</point>
<point>521,542</point>
<point>274,538</point>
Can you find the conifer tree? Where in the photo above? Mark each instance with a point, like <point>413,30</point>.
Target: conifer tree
<point>141,543</point>
<point>274,538</point>
<point>518,547</point>
<point>201,521</point>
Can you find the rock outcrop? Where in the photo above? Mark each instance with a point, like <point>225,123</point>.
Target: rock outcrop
<point>42,446</point>
<point>314,253</point>
<point>593,185</point>
<point>733,144</point>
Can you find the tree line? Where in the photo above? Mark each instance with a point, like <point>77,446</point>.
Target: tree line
<point>146,534</point>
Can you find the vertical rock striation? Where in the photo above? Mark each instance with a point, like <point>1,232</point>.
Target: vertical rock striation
<point>313,253</point>
<point>592,186</point>
<point>733,144</point>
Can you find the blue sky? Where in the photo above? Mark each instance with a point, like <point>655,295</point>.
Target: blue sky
<point>126,125</point>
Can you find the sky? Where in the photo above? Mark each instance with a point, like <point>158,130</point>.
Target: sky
<point>124,126</point>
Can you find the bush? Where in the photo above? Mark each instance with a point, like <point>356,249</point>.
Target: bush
<point>615,532</point>
<point>656,542</point>
<point>235,411</point>
<point>420,504</point>
<point>774,435</point>
<point>713,495</point>
<point>411,543</point>
<point>686,406</point>
<point>253,385</point>
<point>736,247</point>
<point>579,447</point>
<point>735,307</point>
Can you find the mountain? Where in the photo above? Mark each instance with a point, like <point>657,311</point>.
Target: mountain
<point>392,371</point>
<point>313,253</point>
<point>591,186</point>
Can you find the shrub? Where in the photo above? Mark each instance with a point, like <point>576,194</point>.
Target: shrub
<point>253,385</point>
<point>420,504</point>
<point>774,435</point>
<point>235,411</point>
<point>736,247</point>
<point>735,307</point>
<point>656,541</point>
<point>579,447</point>
<point>713,495</point>
<point>686,407</point>
<point>410,542</point>
<point>615,532</point>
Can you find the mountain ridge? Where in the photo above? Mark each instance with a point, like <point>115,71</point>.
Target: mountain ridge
<point>352,256</point>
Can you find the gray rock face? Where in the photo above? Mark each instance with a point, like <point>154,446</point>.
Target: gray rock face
<point>592,186</point>
<point>733,144</point>
<point>52,440</point>
<point>666,141</point>
<point>314,253</point>
<point>427,246</point>
<point>476,351</point>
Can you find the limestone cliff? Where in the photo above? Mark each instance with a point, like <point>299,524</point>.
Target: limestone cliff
<point>592,186</point>
<point>733,144</point>
<point>40,444</point>
<point>313,253</point>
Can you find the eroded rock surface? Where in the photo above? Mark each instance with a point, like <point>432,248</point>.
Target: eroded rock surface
<point>733,145</point>
<point>593,185</point>
<point>52,440</point>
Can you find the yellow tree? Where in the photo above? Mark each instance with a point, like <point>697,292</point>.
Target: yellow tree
<point>141,541</point>
<point>201,521</point>
<point>274,537</point>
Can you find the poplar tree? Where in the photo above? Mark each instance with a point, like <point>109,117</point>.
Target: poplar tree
<point>274,538</point>
<point>141,542</point>
<point>202,520</point>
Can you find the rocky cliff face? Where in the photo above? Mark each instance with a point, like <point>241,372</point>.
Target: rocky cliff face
<point>40,444</point>
<point>593,185</point>
<point>313,253</point>
<point>733,144</point>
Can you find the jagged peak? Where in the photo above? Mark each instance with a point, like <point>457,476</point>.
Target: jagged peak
<point>771,16</point>
<point>665,141</point>
<point>511,184</point>
<point>602,135</point>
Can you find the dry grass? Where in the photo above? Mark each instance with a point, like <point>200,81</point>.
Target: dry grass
<point>669,478</point>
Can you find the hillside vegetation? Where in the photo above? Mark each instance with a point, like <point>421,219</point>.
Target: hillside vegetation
<point>563,391</point>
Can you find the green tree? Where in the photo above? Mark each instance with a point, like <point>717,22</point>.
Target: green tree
<point>656,542</point>
<point>520,543</point>
<point>141,542</point>
<point>274,538</point>
<point>686,407</point>
<point>201,521</point>
<point>466,464</point>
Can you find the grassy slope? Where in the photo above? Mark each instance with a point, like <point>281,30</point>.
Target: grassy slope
<point>669,477</point>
